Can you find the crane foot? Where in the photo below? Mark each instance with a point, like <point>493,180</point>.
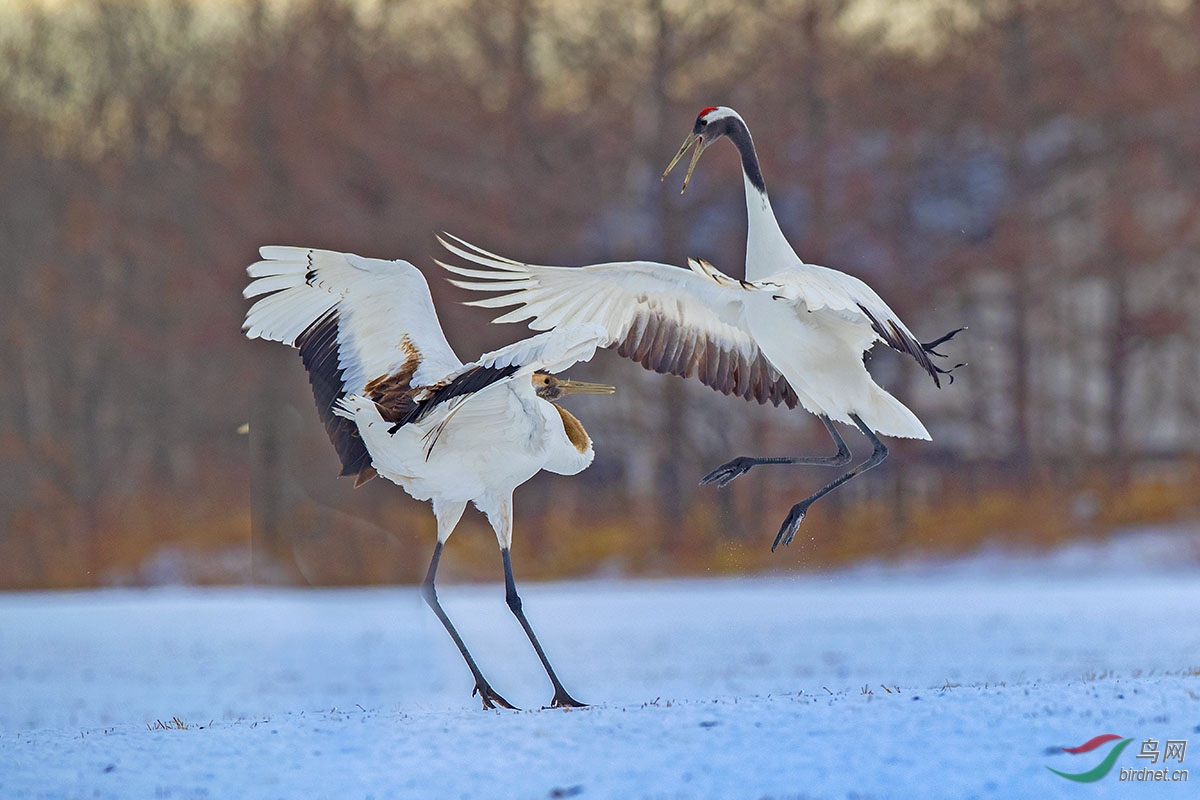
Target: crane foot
<point>790,525</point>
<point>723,475</point>
<point>564,700</point>
<point>490,697</point>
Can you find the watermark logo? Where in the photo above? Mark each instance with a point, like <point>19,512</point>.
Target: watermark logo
<point>1172,750</point>
<point>1104,767</point>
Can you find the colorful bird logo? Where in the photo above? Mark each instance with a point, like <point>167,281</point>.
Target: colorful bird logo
<point>1100,770</point>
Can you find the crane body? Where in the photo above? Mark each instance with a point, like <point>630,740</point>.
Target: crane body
<point>397,402</point>
<point>790,333</point>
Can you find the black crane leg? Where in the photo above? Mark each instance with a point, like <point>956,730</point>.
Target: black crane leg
<point>723,475</point>
<point>561,699</point>
<point>796,515</point>
<point>486,693</point>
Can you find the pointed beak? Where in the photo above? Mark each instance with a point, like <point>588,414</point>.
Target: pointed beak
<point>698,141</point>
<point>580,387</point>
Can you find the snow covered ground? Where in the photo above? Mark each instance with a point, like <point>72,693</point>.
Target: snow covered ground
<point>956,681</point>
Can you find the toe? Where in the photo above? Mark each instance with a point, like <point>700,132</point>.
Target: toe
<point>564,700</point>
<point>788,530</point>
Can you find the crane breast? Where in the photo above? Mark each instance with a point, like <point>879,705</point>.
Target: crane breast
<point>576,435</point>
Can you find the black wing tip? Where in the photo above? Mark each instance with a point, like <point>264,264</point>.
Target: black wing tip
<point>921,351</point>
<point>901,342</point>
<point>318,346</point>
<point>928,347</point>
<point>469,382</point>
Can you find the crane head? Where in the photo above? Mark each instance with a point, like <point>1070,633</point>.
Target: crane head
<point>551,388</point>
<point>711,124</point>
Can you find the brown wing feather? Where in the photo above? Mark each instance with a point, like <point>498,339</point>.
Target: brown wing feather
<point>657,346</point>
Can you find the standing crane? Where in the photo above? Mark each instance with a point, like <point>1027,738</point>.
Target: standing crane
<point>397,402</point>
<point>791,333</point>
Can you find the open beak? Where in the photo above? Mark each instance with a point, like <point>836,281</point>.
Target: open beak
<point>580,387</point>
<point>692,138</point>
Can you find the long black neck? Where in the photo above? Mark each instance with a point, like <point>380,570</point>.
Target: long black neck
<point>739,134</point>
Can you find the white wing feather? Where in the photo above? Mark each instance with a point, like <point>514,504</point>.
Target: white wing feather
<point>378,305</point>
<point>671,320</point>
<point>817,288</point>
<point>552,351</point>
<point>823,290</point>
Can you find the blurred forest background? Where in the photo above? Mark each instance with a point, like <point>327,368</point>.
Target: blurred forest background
<point>1030,168</point>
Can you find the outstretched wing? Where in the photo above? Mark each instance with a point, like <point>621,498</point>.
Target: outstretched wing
<point>356,321</point>
<point>670,320</point>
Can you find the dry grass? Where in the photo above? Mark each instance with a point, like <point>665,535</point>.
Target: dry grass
<point>386,538</point>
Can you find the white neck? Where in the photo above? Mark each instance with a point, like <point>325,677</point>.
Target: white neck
<point>767,251</point>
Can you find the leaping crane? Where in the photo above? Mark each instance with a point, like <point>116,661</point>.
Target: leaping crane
<point>769,256</point>
<point>397,402</point>
<point>791,333</point>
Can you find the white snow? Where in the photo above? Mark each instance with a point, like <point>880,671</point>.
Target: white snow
<point>918,681</point>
